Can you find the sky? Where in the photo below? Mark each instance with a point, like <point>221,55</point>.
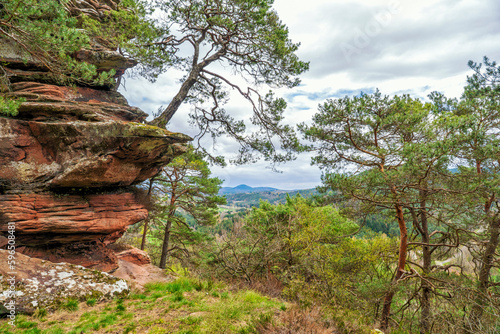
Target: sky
<point>399,47</point>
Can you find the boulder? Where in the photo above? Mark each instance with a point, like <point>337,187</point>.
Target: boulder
<point>135,256</point>
<point>139,275</point>
<point>31,283</point>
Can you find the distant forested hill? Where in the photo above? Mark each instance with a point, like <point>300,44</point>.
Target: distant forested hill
<point>246,196</point>
<point>243,189</point>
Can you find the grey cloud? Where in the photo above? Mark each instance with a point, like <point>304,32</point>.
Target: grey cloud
<point>452,31</point>
<point>327,93</point>
<point>295,175</point>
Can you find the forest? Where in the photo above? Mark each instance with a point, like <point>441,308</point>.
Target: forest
<point>402,236</point>
<point>427,170</point>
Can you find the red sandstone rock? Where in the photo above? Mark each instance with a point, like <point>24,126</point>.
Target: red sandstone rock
<point>38,155</point>
<point>36,91</point>
<point>48,219</point>
<point>69,139</point>
<point>76,138</point>
<point>93,254</point>
<point>135,256</point>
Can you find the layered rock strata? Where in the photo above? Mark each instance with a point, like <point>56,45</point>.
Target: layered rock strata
<point>79,137</point>
<point>70,160</point>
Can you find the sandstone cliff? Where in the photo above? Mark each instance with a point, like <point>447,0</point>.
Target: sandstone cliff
<point>70,159</point>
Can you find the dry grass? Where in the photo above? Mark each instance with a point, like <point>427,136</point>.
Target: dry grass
<point>296,321</point>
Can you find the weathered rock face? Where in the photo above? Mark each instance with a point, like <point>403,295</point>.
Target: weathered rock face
<point>67,162</point>
<point>43,284</point>
<point>93,254</point>
<point>71,157</point>
<point>80,137</point>
<point>52,219</point>
<point>71,228</point>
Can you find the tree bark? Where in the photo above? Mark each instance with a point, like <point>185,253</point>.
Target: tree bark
<point>425,300</point>
<point>162,120</point>
<point>476,314</point>
<point>473,325</point>
<point>143,242</point>
<point>166,242</point>
<point>403,245</point>
<point>146,222</point>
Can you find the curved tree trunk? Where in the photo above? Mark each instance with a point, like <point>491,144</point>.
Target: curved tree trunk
<point>162,120</point>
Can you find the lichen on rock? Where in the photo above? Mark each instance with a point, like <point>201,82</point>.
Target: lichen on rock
<point>43,284</point>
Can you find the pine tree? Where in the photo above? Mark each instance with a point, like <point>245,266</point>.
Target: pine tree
<point>185,190</point>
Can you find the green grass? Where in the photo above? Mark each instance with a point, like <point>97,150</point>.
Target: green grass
<point>40,313</point>
<point>179,285</point>
<point>91,302</point>
<point>23,322</point>
<point>185,305</point>
<point>55,330</point>
<point>70,305</point>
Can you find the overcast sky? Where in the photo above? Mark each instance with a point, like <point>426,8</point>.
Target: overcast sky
<point>352,46</point>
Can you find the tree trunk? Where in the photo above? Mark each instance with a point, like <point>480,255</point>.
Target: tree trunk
<point>403,245</point>
<point>425,300</point>
<point>289,242</point>
<point>146,222</point>
<point>162,120</point>
<point>473,325</point>
<point>166,242</point>
<point>143,242</point>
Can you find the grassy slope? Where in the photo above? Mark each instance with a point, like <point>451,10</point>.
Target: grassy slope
<point>183,306</point>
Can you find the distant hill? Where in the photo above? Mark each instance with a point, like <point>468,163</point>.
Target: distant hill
<point>244,189</point>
